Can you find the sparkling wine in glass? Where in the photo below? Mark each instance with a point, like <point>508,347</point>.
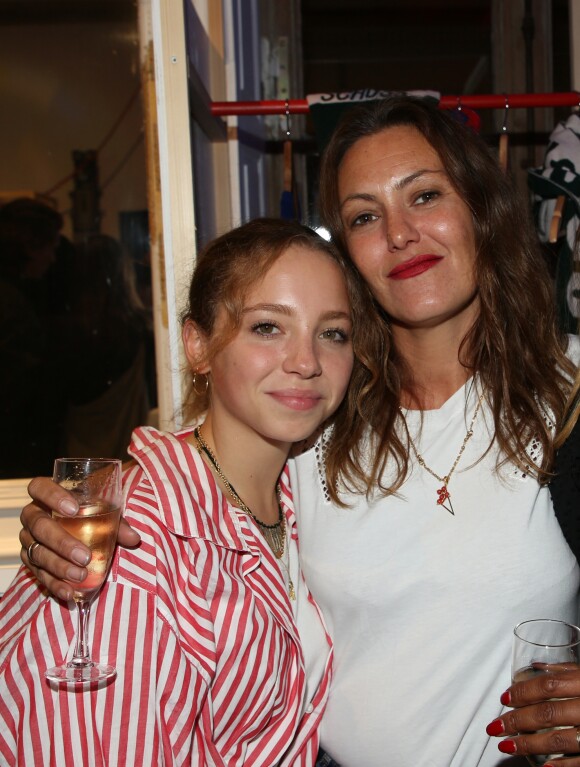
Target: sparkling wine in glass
<point>96,485</point>
<point>541,646</point>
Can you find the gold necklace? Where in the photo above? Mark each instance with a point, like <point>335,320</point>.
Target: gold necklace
<point>286,566</point>
<point>443,492</point>
<point>275,534</point>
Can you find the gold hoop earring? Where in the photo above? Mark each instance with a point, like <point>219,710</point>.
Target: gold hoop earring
<point>195,381</point>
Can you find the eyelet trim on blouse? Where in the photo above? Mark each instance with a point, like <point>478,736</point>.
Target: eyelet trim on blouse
<point>534,451</point>
<point>320,451</point>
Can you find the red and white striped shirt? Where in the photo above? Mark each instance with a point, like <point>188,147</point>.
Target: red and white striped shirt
<point>198,624</point>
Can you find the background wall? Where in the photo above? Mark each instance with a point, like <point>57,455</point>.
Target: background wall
<point>64,84</point>
<point>69,80</point>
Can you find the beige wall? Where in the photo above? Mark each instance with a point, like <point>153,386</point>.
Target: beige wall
<point>13,497</point>
<point>63,87</point>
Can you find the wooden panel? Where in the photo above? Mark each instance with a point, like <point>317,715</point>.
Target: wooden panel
<point>13,497</point>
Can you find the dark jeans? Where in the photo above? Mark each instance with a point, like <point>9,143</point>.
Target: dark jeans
<point>324,760</point>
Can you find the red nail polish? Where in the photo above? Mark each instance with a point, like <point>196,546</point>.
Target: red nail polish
<point>495,728</point>
<point>507,746</point>
<point>505,698</point>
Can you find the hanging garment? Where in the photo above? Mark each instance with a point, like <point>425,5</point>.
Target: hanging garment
<point>289,200</point>
<point>556,206</point>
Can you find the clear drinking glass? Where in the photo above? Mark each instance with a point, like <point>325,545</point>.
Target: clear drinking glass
<point>96,485</point>
<point>538,646</point>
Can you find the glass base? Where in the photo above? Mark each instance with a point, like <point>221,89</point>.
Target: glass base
<point>73,673</point>
<point>537,761</point>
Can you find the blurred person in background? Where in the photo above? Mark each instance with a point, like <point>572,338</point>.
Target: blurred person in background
<point>111,337</point>
<point>31,395</point>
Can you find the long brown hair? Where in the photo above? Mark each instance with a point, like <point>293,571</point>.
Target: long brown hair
<point>232,264</point>
<point>514,346</point>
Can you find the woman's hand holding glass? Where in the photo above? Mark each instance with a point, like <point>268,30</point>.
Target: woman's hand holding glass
<point>545,695</point>
<point>61,559</point>
<point>542,703</point>
<point>96,486</point>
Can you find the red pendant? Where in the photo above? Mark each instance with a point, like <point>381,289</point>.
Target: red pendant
<point>444,496</point>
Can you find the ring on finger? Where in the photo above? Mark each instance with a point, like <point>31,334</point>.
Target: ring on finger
<point>578,739</point>
<point>30,552</point>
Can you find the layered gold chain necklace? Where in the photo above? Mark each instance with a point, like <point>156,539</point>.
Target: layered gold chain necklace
<point>443,495</point>
<point>275,535</point>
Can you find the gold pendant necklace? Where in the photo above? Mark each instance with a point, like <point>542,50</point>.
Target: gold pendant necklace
<point>275,534</point>
<point>286,565</point>
<point>443,495</point>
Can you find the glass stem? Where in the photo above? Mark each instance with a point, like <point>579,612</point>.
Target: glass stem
<point>81,655</point>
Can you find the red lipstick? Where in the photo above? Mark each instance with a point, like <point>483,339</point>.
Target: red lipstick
<point>414,267</point>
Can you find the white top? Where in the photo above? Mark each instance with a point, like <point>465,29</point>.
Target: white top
<point>421,604</point>
<point>310,629</point>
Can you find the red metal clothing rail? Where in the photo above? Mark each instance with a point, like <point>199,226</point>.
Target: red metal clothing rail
<point>489,101</point>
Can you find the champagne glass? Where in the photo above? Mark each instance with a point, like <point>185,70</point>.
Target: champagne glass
<point>541,646</point>
<point>96,485</point>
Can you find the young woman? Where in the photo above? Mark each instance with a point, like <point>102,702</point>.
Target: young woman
<point>221,654</point>
<point>430,535</point>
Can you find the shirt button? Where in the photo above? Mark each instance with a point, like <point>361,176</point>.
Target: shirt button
<point>309,708</point>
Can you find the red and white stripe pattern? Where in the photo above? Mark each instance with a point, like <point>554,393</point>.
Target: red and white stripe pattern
<point>197,622</point>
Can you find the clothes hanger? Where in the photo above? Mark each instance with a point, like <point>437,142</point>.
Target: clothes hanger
<point>504,140</point>
<point>287,199</point>
<point>556,221</point>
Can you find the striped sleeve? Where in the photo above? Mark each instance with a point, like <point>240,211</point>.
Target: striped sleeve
<point>147,716</point>
<point>197,622</point>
